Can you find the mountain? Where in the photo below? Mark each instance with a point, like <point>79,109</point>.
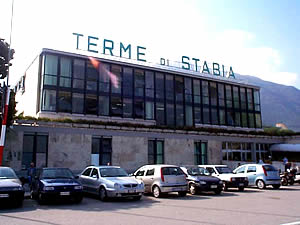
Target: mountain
<point>279,103</point>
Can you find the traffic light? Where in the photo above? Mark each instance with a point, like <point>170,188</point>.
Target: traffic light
<point>6,54</point>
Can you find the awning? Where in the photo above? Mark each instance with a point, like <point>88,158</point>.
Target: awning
<point>285,148</point>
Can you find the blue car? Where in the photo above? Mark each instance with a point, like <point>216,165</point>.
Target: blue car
<point>56,183</point>
<point>11,189</point>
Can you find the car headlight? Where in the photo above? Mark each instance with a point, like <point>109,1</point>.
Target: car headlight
<point>17,188</point>
<point>220,182</point>
<point>202,182</point>
<point>117,186</point>
<point>141,185</point>
<point>79,187</point>
<point>48,188</point>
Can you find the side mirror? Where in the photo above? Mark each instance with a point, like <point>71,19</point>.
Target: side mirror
<point>95,176</point>
<point>76,177</point>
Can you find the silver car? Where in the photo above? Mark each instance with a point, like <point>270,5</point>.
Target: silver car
<point>260,175</point>
<point>110,181</point>
<point>160,179</point>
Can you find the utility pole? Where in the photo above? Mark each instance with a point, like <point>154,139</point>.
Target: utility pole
<point>6,54</point>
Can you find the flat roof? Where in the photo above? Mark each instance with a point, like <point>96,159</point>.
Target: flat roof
<point>156,67</point>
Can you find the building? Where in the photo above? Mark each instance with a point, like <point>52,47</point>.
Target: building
<point>130,114</point>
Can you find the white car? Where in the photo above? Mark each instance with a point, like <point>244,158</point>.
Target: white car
<point>110,181</point>
<point>230,180</point>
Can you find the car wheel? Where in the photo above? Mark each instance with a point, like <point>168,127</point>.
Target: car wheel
<point>241,188</point>
<point>156,192</point>
<point>182,193</point>
<point>284,181</point>
<point>217,192</point>
<point>260,184</point>
<point>102,194</point>
<point>276,186</point>
<point>193,189</point>
<point>291,182</point>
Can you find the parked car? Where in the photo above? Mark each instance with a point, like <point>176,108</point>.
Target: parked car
<point>230,180</point>
<point>11,189</point>
<point>56,183</point>
<point>260,175</point>
<point>160,179</point>
<point>199,179</point>
<point>110,181</point>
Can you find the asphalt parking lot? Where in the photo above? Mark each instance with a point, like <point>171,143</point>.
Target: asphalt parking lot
<point>252,206</point>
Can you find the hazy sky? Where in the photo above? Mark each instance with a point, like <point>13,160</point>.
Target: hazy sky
<point>255,37</point>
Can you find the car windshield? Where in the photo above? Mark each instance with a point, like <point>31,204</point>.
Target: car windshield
<point>7,173</point>
<point>113,172</point>
<point>57,173</point>
<point>196,171</point>
<point>223,170</point>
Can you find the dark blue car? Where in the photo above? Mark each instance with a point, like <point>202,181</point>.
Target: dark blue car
<point>56,183</point>
<point>11,189</point>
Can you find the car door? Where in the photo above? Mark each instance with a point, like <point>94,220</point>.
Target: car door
<point>84,179</point>
<point>149,179</point>
<point>140,174</point>
<point>94,181</point>
<point>251,174</point>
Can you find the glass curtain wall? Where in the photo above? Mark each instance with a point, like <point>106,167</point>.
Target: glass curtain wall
<point>75,85</point>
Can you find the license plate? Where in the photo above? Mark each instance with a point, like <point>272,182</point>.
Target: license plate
<point>65,193</point>
<point>213,186</point>
<point>4,195</point>
<point>132,191</point>
<point>241,184</point>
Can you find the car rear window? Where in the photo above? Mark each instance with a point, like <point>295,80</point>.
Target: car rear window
<point>269,168</point>
<point>172,171</point>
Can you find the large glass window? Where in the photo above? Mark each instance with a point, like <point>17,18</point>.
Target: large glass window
<point>91,104</point>
<point>78,74</point>
<point>139,82</point>
<point>139,108</point>
<point>116,86</point>
<point>51,68</point>
<point>101,151</point>
<point>64,101</point>
<point>256,100</point>
<point>103,105</point>
<point>127,108</point>
<point>160,87</point>
<point>155,151</point>
<point>49,100</point>
<point>188,101</point>
<point>160,113</point>
<point>104,78</point>
<point>170,115</point>
<point>77,103</point>
<point>170,88</point>
<point>116,106</point>
<point>149,110</point>
<point>197,101</point>
<point>65,72</point>
<point>250,99</point>
<point>127,82</point>
<point>91,77</point>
